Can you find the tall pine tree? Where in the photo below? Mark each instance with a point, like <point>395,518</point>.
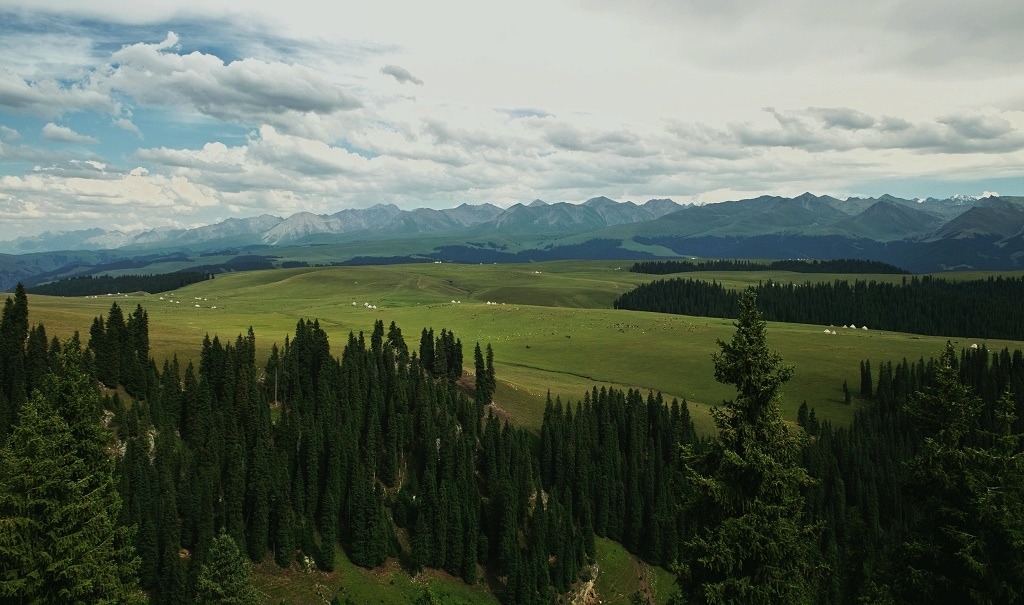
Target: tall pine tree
<point>967,542</point>
<point>751,544</point>
<point>59,505</point>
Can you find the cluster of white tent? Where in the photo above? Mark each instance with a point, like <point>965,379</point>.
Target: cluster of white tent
<point>849,327</point>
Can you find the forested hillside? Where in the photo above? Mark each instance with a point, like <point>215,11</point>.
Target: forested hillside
<point>843,265</point>
<point>987,308</point>
<point>389,452</point>
<point>107,284</point>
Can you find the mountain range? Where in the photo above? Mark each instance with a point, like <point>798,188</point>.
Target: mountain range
<point>920,235</point>
<point>375,222</point>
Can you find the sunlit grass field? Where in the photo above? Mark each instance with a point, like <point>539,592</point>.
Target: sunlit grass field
<point>551,326</point>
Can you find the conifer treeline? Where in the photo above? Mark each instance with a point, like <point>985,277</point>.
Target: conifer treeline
<point>93,285</point>
<point>120,350</point>
<point>988,308</point>
<point>841,265</point>
<point>375,450</point>
<point>895,491</point>
<point>367,450</point>
<point>616,457</point>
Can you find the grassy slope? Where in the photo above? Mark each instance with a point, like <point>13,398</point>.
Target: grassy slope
<point>554,332</point>
<point>387,585</point>
<point>619,575</point>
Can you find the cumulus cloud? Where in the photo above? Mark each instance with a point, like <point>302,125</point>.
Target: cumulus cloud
<point>63,134</point>
<point>978,126</point>
<point>30,155</point>
<point>841,129</point>
<point>570,137</point>
<point>112,197</point>
<point>215,157</point>
<point>519,113</point>
<point>843,117</point>
<point>127,125</point>
<point>75,168</point>
<point>9,134</point>
<point>49,98</point>
<point>248,90</point>
<point>401,74</point>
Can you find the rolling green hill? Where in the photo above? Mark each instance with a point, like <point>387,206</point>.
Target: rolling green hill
<point>552,327</point>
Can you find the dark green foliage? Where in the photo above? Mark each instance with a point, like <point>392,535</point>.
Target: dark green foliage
<point>921,496</point>
<point>224,576</point>
<point>491,382</point>
<point>484,376</point>
<point>397,343</point>
<point>617,456</point>
<point>751,543</point>
<point>37,358</point>
<point>986,308</point>
<point>14,376</point>
<point>843,265</point>
<point>120,349</point>
<point>920,499</point>
<point>427,349</point>
<point>362,442</point>
<point>108,284</point>
<point>965,543</point>
<point>59,538</point>
<point>866,388</point>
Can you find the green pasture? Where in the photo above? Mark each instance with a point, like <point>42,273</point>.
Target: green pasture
<point>620,575</point>
<point>550,324</point>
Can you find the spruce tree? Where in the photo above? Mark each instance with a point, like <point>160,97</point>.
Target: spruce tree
<point>13,332</point>
<point>480,371</point>
<point>752,544</point>
<point>224,578</point>
<point>59,538</point>
<point>966,544</point>
<point>491,381</point>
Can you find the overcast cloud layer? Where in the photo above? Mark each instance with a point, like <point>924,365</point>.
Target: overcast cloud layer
<point>140,115</point>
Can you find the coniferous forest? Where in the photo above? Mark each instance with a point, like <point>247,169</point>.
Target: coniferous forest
<point>987,308</point>
<point>388,452</point>
<point>841,265</point>
<point>92,285</point>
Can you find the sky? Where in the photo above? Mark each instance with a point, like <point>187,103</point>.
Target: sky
<point>147,114</point>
